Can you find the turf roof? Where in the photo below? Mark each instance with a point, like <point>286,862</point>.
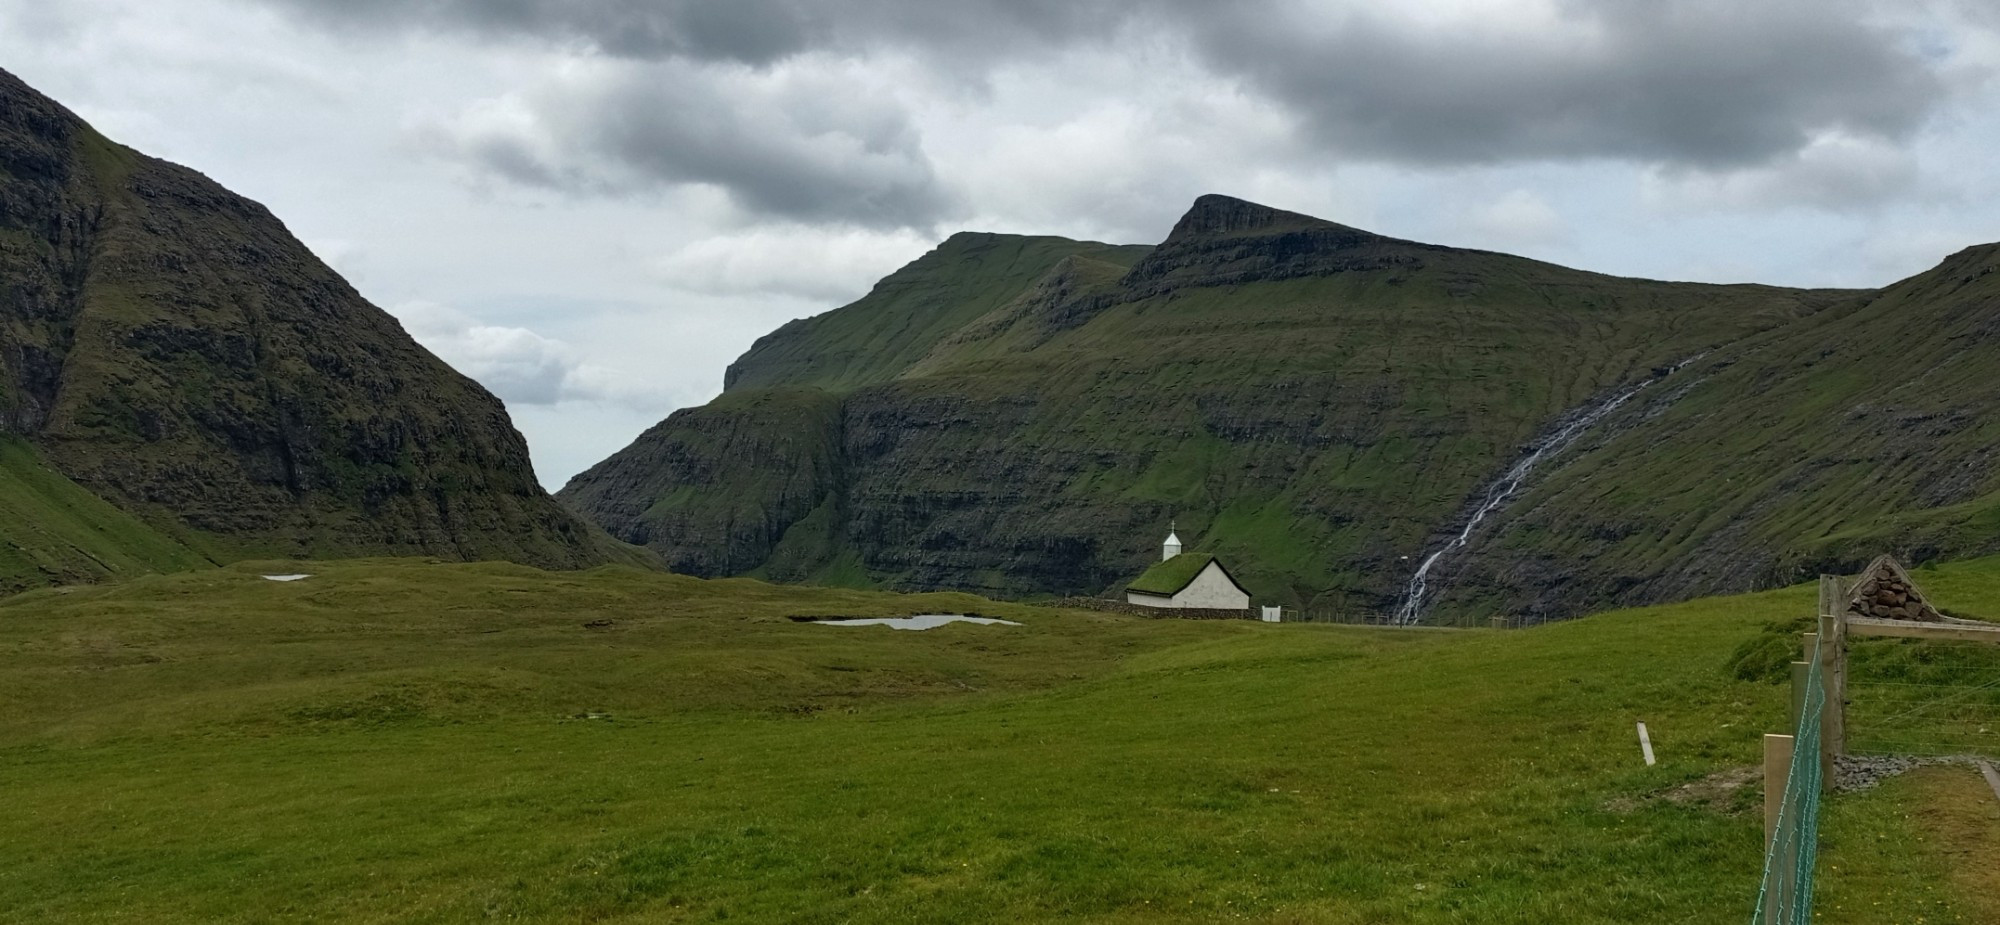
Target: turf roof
<point>1169,577</point>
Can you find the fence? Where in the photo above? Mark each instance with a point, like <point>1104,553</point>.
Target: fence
<point>1932,697</point>
<point>1904,687</point>
<point>1140,610</point>
<point>1791,812</point>
<point>1348,617</point>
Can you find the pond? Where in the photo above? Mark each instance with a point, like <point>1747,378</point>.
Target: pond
<point>923,621</point>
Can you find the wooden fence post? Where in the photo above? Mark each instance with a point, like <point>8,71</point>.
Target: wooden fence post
<point>1833,675</point>
<point>1777,769</point>
<point>1802,678</point>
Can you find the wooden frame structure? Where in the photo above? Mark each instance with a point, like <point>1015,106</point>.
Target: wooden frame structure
<point>1819,688</point>
<point>1835,625</point>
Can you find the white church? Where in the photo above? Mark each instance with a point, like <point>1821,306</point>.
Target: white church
<point>1182,581</point>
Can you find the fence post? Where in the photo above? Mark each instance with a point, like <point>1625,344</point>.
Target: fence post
<point>1833,677</point>
<point>1801,678</point>
<point>1777,770</point>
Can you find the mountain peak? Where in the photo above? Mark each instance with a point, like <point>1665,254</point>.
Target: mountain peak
<point>1215,214</point>
<point>1225,241</point>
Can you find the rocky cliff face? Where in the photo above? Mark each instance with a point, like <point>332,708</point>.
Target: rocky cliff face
<point>683,487</point>
<point>1319,405</point>
<point>171,347</point>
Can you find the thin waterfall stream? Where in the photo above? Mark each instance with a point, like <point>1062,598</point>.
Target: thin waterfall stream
<point>1411,609</point>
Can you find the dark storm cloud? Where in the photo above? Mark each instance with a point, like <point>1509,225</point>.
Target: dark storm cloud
<point>754,32</point>
<point>812,147</point>
<point>1681,84</point>
<point>1678,83</point>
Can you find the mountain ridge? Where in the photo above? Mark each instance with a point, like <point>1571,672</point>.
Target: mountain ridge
<point>1318,399</point>
<point>170,347</point>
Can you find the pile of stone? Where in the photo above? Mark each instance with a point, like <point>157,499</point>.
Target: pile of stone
<point>1885,592</point>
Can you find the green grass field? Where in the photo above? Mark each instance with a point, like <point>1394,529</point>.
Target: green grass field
<point>395,740</point>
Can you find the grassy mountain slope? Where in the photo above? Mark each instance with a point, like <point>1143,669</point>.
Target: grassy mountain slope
<point>754,481</point>
<point>1314,402</point>
<point>52,531</point>
<point>1805,449</point>
<point>170,347</point>
<point>391,740</point>
<point>906,314</point>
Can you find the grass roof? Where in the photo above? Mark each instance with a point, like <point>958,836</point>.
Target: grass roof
<point>1169,577</point>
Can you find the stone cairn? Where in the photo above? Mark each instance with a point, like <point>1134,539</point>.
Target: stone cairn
<point>1885,592</point>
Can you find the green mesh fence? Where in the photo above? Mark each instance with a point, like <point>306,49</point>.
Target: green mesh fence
<point>1785,897</point>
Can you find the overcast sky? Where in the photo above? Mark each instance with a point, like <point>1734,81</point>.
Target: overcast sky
<point>592,206</point>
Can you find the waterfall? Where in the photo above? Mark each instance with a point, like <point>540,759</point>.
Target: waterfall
<point>1573,426</point>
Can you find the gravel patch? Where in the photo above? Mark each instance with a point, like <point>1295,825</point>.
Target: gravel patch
<point>1853,773</point>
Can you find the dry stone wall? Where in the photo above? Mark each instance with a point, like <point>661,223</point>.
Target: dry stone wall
<point>1158,613</point>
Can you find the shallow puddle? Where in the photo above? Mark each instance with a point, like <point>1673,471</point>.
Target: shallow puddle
<point>922,621</point>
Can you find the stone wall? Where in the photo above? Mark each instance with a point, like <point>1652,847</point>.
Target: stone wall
<point>1157,613</point>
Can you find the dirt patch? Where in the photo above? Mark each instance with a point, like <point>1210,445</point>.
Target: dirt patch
<point>1964,818</point>
<point>1728,791</point>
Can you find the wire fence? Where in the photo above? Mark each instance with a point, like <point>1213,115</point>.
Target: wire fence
<point>1784,897</point>
<point>1356,617</point>
<point>1923,697</point>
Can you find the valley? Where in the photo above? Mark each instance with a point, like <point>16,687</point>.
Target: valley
<point>290,630</point>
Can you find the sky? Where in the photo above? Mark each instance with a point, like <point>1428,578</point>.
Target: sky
<point>593,206</point>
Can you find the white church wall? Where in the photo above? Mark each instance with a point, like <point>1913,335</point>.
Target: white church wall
<point>1212,589</point>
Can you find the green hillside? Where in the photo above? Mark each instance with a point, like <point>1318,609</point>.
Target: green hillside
<point>907,314</point>
<point>54,532</point>
<point>1316,404</point>
<point>1805,449</point>
<point>394,740</point>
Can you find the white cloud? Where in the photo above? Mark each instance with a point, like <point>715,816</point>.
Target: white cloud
<point>1835,172</point>
<point>1518,219</point>
<point>519,365</point>
<point>826,265</point>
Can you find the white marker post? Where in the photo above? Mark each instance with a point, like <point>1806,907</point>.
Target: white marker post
<point>1645,745</point>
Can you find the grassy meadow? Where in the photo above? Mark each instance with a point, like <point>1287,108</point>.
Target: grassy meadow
<point>409,741</point>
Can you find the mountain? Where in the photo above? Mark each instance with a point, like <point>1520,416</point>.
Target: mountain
<point>1873,426</point>
<point>1326,409</point>
<point>168,348</point>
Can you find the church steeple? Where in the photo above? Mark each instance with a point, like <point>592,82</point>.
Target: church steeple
<point>1172,547</point>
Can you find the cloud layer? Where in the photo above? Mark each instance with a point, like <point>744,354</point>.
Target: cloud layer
<point>800,110</point>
